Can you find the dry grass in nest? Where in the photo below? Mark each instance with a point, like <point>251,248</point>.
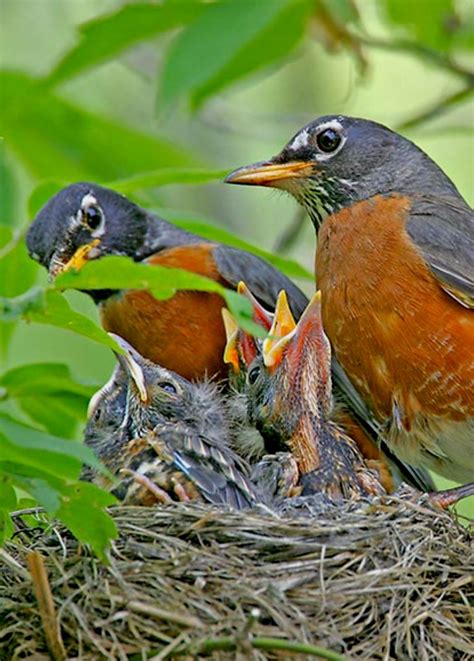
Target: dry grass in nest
<point>386,580</point>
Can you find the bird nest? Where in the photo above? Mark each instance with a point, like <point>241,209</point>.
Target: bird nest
<point>390,579</point>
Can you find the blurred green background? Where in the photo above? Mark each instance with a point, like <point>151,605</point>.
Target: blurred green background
<point>104,90</point>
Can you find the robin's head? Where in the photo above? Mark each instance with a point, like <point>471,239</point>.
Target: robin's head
<point>82,222</point>
<point>291,379</point>
<point>157,395</point>
<point>335,161</point>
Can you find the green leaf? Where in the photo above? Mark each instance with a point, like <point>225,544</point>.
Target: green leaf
<point>17,270</point>
<point>344,11</point>
<point>8,189</point>
<point>47,306</point>
<point>43,378</point>
<point>166,176</point>
<point>8,499</point>
<point>432,22</point>
<point>31,447</point>
<point>17,273</point>
<point>8,503</point>
<point>229,40</point>
<point>57,140</point>
<point>103,38</point>
<point>6,525</point>
<point>58,414</point>
<point>272,46</point>
<point>79,505</point>
<point>221,235</point>
<point>123,273</point>
<point>82,511</point>
<point>47,393</point>
<point>42,194</point>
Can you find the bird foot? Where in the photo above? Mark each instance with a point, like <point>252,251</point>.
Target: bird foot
<point>449,497</point>
<point>144,481</point>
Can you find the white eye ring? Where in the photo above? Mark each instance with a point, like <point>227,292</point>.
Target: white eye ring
<point>91,214</point>
<point>306,136</point>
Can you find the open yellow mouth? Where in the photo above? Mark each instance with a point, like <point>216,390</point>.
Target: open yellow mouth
<point>269,174</point>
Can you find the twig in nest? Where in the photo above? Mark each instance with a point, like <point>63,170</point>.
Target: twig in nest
<point>229,644</point>
<point>46,605</point>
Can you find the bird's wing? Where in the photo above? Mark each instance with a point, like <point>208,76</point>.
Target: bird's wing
<point>234,264</point>
<point>442,228</point>
<point>402,472</point>
<point>212,469</point>
<point>263,280</point>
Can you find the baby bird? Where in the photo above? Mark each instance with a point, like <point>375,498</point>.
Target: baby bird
<point>168,437</point>
<point>290,400</point>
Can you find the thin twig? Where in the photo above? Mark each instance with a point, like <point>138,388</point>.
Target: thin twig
<point>229,644</point>
<point>435,57</point>
<point>161,614</point>
<point>14,565</point>
<point>46,605</point>
<point>439,108</point>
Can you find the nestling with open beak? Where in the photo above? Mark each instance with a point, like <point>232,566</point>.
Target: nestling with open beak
<point>290,400</point>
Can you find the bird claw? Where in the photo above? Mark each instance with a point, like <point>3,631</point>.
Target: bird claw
<point>160,494</point>
<point>448,497</point>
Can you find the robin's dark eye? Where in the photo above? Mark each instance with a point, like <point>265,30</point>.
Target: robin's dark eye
<point>328,140</point>
<point>93,217</point>
<point>253,375</point>
<point>167,386</point>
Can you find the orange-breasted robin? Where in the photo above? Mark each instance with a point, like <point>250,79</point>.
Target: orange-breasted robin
<point>166,437</point>
<point>395,265</point>
<point>185,333</point>
<point>289,396</point>
<point>241,351</point>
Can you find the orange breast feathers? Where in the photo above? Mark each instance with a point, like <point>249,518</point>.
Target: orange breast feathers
<point>398,335</point>
<point>184,333</point>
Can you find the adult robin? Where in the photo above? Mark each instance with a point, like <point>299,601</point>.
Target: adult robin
<point>166,438</point>
<point>241,351</point>
<point>185,334</point>
<point>289,394</point>
<point>395,265</point>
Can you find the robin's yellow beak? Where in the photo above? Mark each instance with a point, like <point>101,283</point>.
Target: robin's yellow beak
<point>81,256</point>
<point>76,262</point>
<point>268,173</point>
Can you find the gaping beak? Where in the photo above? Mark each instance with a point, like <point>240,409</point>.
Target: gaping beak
<point>260,315</point>
<point>269,173</point>
<point>77,261</point>
<point>130,361</point>
<point>231,353</point>
<point>309,341</point>
<point>280,333</point>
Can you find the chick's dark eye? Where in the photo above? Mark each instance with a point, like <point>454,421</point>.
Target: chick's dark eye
<point>328,140</point>
<point>92,217</point>
<point>253,375</point>
<point>167,386</point>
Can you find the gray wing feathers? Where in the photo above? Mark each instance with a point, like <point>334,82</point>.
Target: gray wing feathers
<point>443,230</point>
